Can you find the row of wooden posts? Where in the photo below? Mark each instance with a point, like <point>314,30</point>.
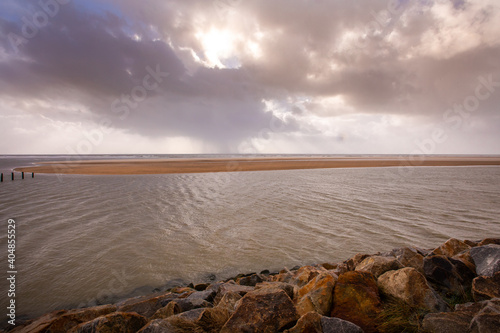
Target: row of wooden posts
<point>12,176</point>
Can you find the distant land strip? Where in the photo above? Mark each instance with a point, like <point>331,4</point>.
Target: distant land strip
<point>200,165</point>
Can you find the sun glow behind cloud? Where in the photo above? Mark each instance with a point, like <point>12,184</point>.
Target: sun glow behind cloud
<point>219,48</point>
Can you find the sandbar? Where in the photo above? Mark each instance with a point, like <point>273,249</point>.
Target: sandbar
<point>201,165</point>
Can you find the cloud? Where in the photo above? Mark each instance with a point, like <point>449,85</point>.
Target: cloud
<point>347,75</point>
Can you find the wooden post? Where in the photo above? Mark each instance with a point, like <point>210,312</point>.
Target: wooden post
<point>1,177</point>
<point>12,176</point>
<point>22,175</point>
<point>32,175</point>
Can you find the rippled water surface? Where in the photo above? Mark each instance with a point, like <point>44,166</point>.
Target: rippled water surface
<point>83,239</point>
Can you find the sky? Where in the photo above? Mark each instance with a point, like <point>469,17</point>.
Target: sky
<point>260,76</point>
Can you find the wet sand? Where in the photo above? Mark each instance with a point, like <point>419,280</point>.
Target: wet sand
<point>199,165</point>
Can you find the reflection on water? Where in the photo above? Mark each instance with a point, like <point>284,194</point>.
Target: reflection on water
<point>84,238</point>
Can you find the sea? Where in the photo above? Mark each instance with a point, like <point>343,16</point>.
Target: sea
<point>86,240</point>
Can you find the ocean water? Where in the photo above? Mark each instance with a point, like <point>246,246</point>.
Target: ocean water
<point>84,240</point>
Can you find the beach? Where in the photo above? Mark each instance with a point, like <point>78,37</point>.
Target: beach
<point>202,165</point>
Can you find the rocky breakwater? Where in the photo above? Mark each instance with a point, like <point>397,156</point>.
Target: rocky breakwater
<point>453,288</point>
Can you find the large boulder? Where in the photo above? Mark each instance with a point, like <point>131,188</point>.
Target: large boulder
<point>115,322</point>
<point>286,287</point>
<point>449,276</point>
<point>488,241</point>
<point>446,322</point>
<point>229,301</point>
<point>63,321</point>
<point>487,259</point>
<point>202,320</point>
<point>409,257</point>
<point>356,299</point>
<point>146,306</point>
<point>223,288</point>
<point>352,262</point>
<point>317,295</point>
<point>163,326</point>
<point>480,317</point>
<point>485,287</point>
<point>466,258</point>
<point>305,274</point>
<point>180,305</point>
<point>337,325</point>
<point>410,286</point>
<point>378,265</point>
<point>262,311</point>
<point>308,323</point>
<point>451,248</point>
<point>251,280</point>
<point>313,322</point>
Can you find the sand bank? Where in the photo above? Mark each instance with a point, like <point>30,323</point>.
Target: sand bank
<point>199,165</point>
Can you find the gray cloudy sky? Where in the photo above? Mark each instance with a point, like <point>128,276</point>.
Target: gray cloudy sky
<point>240,76</point>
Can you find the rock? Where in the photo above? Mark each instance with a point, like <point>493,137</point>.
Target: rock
<point>446,322</point>
<point>448,275</point>
<point>160,326</point>
<point>251,280</point>
<point>146,306</point>
<point>378,265</point>
<point>180,305</point>
<point>262,311</point>
<point>285,277</point>
<point>114,322</point>
<point>469,317</point>
<point>409,257</point>
<point>337,325</point>
<point>201,286</point>
<point>286,287</point>
<point>410,286</point>
<point>485,287</point>
<point>471,243</point>
<point>485,323</point>
<point>317,295</point>
<point>466,258</point>
<point>487,259</point>
<point>62,321</point>
<point>354,261</point>
<point>206,295</point>
<point>329,266</point>
<point>181,290</point>
<point>229,300</point>
<point>308,323</point>
<point>313,322</point>
<point>341,269</point>
<point>451,247</point>
<point>356,299</point>
<point>208,320</point>
<point>305,274</point>
<point>488,241</point>
<point>230,286</point>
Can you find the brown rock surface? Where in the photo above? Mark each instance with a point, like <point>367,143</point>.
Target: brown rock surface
<point>356,299</point>
<point>62,321</point>
<point>451,247</point>
<point>485,287</point>
<point>317,295</point>
<point>410,286</point>
<point>262,311</point>
<point>146,306</point>
<point>378,265</point>
<point>409,257</point>
<point>115,322</point>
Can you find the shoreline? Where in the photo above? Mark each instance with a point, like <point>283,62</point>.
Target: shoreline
<point>406,288</point>
<point>203,165</point>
